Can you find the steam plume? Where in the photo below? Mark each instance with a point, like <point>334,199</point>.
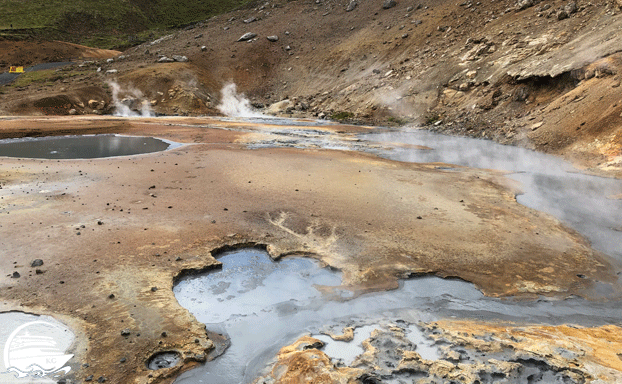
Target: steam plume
<point>235,104</point>
<point>132,104</point>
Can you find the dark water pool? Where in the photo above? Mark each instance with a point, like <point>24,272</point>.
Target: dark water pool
<point>82,147</point>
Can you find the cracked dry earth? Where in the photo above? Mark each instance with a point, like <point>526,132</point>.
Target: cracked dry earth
<point>114,234</point>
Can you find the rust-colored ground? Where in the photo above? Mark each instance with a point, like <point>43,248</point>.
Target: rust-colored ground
<point>109,230</point>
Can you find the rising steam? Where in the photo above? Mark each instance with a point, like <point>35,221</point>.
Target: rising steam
<point>235,104</point>
<point>132,104</point>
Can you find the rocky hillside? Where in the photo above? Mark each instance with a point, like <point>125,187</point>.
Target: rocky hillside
<point>540,74</point>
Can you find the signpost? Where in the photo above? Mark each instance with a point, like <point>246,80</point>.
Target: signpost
<point>16,69</point>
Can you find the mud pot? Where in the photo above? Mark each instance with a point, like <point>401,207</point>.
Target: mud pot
<point>277,251</point>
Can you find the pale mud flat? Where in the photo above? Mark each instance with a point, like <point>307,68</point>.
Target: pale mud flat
<point>115,232</point>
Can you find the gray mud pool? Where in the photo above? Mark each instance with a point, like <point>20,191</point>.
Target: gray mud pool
<point>263,305</point>
<point>82,147</point>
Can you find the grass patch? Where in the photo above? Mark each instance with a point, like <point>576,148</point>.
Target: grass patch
<point>341,116</point>
<point>121,20</point>
<point>431,118</point>
<point>397,121</point>
<point>28,78</point>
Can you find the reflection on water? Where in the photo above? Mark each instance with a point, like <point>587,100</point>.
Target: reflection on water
<point>81,147</point>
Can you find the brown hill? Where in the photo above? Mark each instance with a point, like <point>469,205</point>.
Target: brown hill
<point>544,75</point>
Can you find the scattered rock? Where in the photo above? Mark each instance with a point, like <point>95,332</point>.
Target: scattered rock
<point>73,111</point>
<point>203,48</point>
<point>89,378</point>
<point>16,275</point>
<point>273,38</point>
<point>250,20</point>
<point>536,126</point>
<point>180,59</point>
<point>351,6</point>
<point>165,59</point>
<point>247,36</point>
<point>126,332</point>
<point>524,4</point>
<point>36,263</point>
<point>112,71</point>
<point>389,4</point>
<point>521,94</point>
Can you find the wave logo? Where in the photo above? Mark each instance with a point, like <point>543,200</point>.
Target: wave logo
<point>36,349</point>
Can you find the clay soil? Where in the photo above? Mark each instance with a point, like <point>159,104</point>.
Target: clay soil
<point>114,233</point>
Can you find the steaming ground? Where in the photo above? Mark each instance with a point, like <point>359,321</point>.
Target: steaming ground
<point>234,104</point>
<point>129,101</point>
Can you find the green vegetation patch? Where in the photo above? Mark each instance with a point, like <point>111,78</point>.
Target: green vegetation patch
<point>341,116</point>
<point>84,19</point>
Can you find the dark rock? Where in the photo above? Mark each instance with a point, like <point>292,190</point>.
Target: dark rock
<point>101,379</point>
<point>36,263</point>
<point>164,334</point>
<point>89,378</point>
<point>16,275</point>
<point>38,271</point>
<point>125,332</point>
<point>562,15</point>
<point>111,296</point>
<point>153,289</point>
<point>521,94</point>
<point>570,8</point>
<point>123,360</point>
<point>389,4</point>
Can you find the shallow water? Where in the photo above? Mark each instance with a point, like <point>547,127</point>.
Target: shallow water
<point>82,147</point>
<point>247,302</point>
<point>550,184</point>
<point>263,305</point>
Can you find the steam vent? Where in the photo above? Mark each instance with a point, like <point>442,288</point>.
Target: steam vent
<point>284,192</point>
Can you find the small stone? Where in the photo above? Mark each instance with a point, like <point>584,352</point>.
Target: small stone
<point>89,378</point>
<point>125,332</point>
<point>38,271</point>
<point>36,263</point>
<point>247,36</point>
<point>351,6</point>
<point>203,48</point>
<point>164,334</point>
<point>99,222</point>
<point>153,289</point>
<point>111,296</point>
<point>180,59</point>
<point>389,4</point>
<point>273,38</point>
<point>123,360</point>
<point>101,379</point>
<point>16,275</point>
<point>178,258</point>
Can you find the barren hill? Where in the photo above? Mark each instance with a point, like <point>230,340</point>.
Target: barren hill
<point>544,75</point>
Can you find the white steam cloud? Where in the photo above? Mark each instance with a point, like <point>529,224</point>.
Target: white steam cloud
<point>235,104</point>
<point>131,104</point>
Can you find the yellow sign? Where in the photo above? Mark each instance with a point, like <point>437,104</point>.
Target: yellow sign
<point>16,70</point>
